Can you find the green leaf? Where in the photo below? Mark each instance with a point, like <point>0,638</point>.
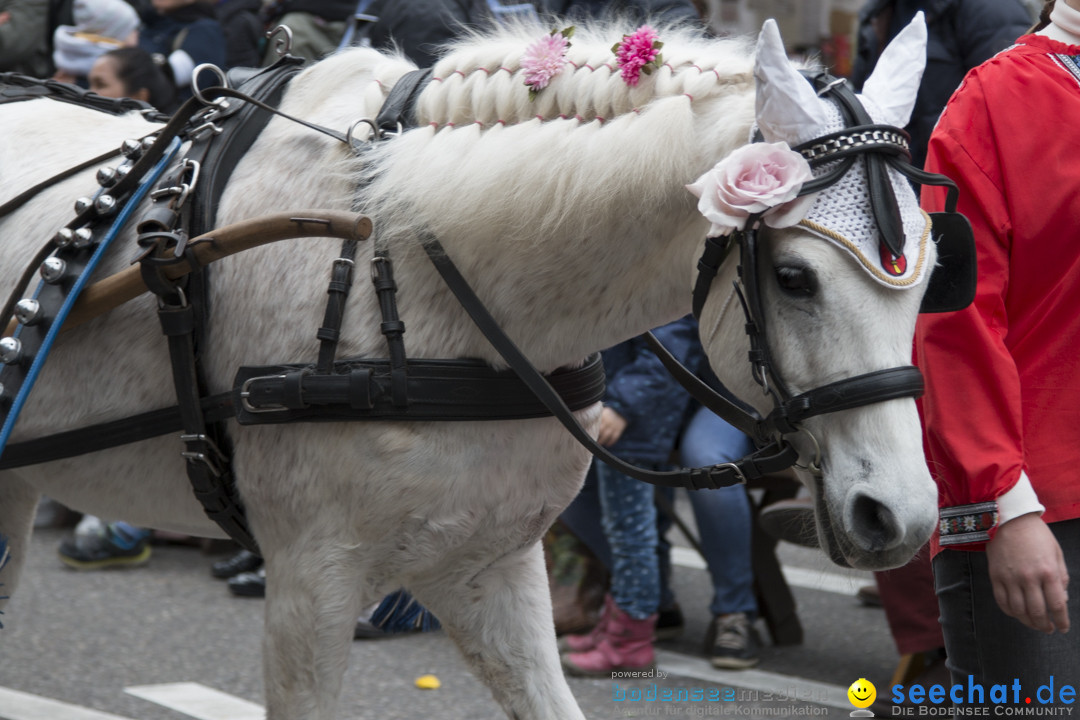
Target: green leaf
<point>616,46</point>
<point>647,69</point>
<point>657,45</point>
<point>568,32</point>
<point>532,94</point>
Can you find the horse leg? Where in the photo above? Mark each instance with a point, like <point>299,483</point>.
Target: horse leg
<point>501,620</point>
<point>312,602</point>
<point>18,503</point>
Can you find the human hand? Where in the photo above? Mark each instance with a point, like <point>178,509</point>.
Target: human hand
<point>1027,572</point>
<point>612,425</point>
<point>4,17</point>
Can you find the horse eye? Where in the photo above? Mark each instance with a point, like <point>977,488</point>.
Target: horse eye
<point>797,280</point>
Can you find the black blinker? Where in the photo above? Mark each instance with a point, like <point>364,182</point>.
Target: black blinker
<point>952,281</point>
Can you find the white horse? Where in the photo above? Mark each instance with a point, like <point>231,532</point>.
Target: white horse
<point>570,217</point>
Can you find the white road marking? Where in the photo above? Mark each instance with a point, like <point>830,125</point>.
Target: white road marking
<point>204,703</point>
<point>199,701</point>
<point>15,705</point>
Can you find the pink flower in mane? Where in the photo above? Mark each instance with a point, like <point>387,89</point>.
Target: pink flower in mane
<point>639,52</point>
<point>545,59</point>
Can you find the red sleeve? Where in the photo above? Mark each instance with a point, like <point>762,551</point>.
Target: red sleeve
<point>971,410</point>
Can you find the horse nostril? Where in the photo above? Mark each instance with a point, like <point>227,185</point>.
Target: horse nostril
<point>874,526</point>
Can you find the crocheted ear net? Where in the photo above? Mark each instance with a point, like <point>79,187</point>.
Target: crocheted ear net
<point>841,214</point>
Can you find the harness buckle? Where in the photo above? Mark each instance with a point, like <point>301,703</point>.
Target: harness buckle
<point>245,394</point>
<point>377,262</point>
<point>204,459</point>
<point>200,437</point>
<point>738,471</point>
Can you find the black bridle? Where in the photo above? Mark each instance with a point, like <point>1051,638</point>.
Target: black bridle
<point>879,147</point>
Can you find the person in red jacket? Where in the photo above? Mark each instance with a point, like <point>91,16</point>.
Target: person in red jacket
<point>1003,375</point>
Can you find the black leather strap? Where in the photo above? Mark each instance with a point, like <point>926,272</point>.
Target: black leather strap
<point>770,459</point>
<point>109,435</point>
<point>712,257</point>
<point>392,328</point>
<point>440,390</point>
<point>337,294</point>
<point>399,109</point>
<point>15,87</point>
<point>740,416</point>
<point>873,387</point>
<point>239,125</point>
<point>883,203</point>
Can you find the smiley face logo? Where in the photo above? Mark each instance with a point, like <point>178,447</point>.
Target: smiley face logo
<point>862,693</point>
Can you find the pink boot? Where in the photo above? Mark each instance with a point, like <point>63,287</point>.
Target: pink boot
<point>623,644</point>
<point>589,640</point>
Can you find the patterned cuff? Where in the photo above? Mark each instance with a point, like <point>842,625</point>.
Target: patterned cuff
<point>968,523</point>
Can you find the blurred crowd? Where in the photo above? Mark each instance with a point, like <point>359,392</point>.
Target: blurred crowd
<point>153,46</point>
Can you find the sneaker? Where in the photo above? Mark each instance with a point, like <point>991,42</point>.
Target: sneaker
<point>249,584</point>
<point>115,545</point>
<point>243,561</point>
<point>669,623</point>
<point>732,643</point>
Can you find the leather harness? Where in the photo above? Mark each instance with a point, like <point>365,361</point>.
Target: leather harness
<point>331,389</point>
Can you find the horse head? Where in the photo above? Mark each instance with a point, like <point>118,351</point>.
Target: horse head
<point>838,280</point>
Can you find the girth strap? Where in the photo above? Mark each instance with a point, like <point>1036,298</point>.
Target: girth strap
<point>440,390</point>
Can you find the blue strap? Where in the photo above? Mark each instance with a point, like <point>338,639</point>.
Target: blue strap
<point>11,414</point>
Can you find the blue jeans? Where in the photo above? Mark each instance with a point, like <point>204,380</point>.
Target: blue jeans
<point>993,648</point>
<point>615,517</point>
<point>628,516</point>
<point>722,516</point>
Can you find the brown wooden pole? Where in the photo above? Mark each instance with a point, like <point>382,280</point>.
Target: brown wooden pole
<point>117,289</point>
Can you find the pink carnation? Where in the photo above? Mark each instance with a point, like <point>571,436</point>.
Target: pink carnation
<point>638,52</point>
<point>757,178</point>
<point>543,60</point>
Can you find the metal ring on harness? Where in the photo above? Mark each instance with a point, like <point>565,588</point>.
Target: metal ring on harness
<point>814,466</point>
<point>375,134</point>
<point>197,91</point>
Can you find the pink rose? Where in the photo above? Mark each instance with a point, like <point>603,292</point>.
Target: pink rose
<point>756,178</point>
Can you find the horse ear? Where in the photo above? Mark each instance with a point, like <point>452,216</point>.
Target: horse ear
<point>893,85</point>
<point>787,107</point>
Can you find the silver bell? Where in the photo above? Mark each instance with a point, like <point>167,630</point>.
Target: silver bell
<point>83,204</point>
<point>83,236</point>
<point>122,171</point>
<point>53,269</point>
<point>10,350</point>
<point>107,176</point>
<point>63,237</point>
<point>131,148</point>
<point>27,311</point>
<point>105,204</point>
<point>148,141</point>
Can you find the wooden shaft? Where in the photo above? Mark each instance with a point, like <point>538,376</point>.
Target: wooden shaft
<point>128,284</point>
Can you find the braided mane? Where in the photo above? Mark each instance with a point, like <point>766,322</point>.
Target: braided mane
<point>481,81</point>
<point>589,152</point>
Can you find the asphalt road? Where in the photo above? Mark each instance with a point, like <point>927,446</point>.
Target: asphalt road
<point>167,642</point>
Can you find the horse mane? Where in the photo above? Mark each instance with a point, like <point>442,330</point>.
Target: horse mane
<point>589,145</point>
<point>480,79</point>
